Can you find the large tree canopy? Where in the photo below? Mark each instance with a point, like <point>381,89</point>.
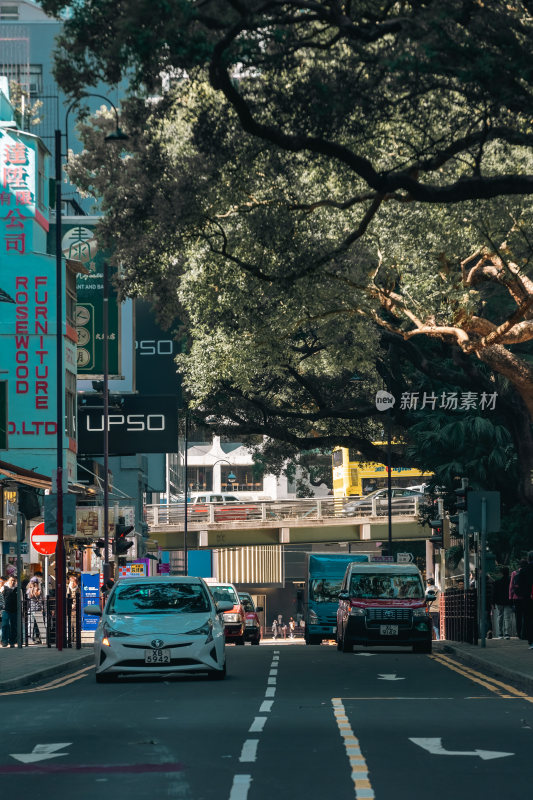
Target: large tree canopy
<point>355,176</point>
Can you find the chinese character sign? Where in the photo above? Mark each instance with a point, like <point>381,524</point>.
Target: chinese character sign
<point>79,243</point>
<point>17,193</point>
<point>448,401</point>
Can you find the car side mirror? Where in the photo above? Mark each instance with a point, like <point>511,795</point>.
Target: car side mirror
<point>93,610</point>
<point>259,608</point>
<point>343,596</point>
<point>223,606</point>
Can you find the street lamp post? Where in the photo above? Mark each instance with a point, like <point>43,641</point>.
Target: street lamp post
<point>117,135</point>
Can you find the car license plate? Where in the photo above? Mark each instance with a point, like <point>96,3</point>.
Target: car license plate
<point>388,630</point>
<point>157,656</point>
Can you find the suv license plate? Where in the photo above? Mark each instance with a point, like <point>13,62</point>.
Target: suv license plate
<point>388,630</point>
<point>157,656</point>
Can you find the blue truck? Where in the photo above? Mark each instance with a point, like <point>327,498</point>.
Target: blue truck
<point>325,572</point>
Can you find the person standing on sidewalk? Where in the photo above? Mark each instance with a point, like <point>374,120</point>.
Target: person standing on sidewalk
<point>503,610</point>
<point>525,588</point>
<point>9,614</point>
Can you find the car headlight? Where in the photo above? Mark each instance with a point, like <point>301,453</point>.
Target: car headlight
<point>232,617</point>
<point>420,612</point>
<point>110,633</point>
<point>357,612</point>
<point>204,630</point>
<point>313,617</point>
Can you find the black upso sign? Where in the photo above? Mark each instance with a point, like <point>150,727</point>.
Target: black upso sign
<point>136,424</point>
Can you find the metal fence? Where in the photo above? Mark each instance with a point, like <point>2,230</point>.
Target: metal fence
<point>73,622</point>
<point>458,616</point>
<point>272,510</point>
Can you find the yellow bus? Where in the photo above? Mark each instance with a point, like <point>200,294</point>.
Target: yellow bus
<point>351,476</point>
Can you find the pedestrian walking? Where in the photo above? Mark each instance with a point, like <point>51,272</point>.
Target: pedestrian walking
<point>9,614</point>
<point>517,601</point>
<point>292,626</point>
<point>525,589</point>
<point>503,608</point>
<point>275,629</point>
<point>35,609</point>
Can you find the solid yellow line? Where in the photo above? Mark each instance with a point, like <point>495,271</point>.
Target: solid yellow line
<point>358,765</point>
<point>492,684</point>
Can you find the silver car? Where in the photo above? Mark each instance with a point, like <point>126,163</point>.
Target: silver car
<point>159,625</point>
<point>402,501</point>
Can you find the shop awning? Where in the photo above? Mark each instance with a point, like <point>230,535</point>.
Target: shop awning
<point>27,476</point>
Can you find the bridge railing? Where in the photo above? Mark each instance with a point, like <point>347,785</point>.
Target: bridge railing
<point>311,509</point>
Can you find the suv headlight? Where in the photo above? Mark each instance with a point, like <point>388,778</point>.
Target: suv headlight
<point>357,612</point>
<point>420,612</point>
<point>232,617</point>
<point>313,619</point>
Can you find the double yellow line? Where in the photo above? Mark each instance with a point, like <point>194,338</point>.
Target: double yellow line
<point>57,683</point>
<point>499,688</point>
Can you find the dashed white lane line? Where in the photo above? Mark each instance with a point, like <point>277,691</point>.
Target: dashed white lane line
<point>273,673</point>
<point>272,681</point>
<point>266,707</point>
<point>241,785</point>
<point>257,725</point>
<point>361,781</point>
<point>249,750</point>
<point>270,691</point>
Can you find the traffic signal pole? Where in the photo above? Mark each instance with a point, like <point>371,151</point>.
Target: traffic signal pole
<point>483,572</point>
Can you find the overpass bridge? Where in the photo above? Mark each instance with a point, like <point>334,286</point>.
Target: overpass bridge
<point>306,521</point>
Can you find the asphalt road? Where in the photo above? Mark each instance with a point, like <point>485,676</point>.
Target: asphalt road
<point>288,722</point>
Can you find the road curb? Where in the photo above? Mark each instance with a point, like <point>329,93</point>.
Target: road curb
<point>519,679</point>
<point>47,672</point>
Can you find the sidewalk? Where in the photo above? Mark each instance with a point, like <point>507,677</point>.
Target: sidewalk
<point>507,659</point>
<point>26,665</point>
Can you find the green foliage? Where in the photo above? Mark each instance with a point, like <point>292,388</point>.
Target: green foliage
<point>279,217</point>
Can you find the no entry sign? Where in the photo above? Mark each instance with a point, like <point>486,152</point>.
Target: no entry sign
<point>44,543</point>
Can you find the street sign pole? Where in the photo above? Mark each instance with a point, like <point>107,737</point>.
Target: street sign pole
<point>21,526</point>
<point>483,575</point>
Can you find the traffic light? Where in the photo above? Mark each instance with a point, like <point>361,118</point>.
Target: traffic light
<point>120,543</point>
<point>98,545</point>
<point>461,502</point>
<point>460,516</point>
<point>437,531</point>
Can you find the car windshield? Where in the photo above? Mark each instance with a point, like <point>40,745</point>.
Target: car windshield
<point>225,594</point>
<point>246,603</point>
<point>159,598</point>
<point>384,587</point>
<point>322,591</point>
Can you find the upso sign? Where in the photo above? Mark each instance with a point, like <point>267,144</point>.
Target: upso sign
<point>139,425</point>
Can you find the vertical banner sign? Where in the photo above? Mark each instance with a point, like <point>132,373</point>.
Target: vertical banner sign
<point>3,415</point>
<point>79,243</point>
<point>90,595</point>
<point>28,313</point>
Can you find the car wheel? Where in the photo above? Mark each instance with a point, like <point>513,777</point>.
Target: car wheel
<point>217,674</point>
<point>313,640</point>
<point>256,640</point>
<point>240,640</point>
<point>106,677</point>
<point>422,647</point>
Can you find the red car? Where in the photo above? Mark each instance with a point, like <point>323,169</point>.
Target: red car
<point>252,630</point>
<point>234,619</point>
<point>225,507</point>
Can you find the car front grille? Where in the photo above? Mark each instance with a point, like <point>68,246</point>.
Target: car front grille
<point>393,615</point>
<point>174,662</point>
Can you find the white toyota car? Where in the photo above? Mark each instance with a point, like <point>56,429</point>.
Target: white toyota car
<point>164,624</point>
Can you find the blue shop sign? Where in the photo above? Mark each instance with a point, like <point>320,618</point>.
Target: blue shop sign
<point>90,595</point>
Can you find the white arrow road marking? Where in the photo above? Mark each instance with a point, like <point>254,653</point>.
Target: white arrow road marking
<point>389,677</point>
<point>434,746</point>
<point>41,752</point>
